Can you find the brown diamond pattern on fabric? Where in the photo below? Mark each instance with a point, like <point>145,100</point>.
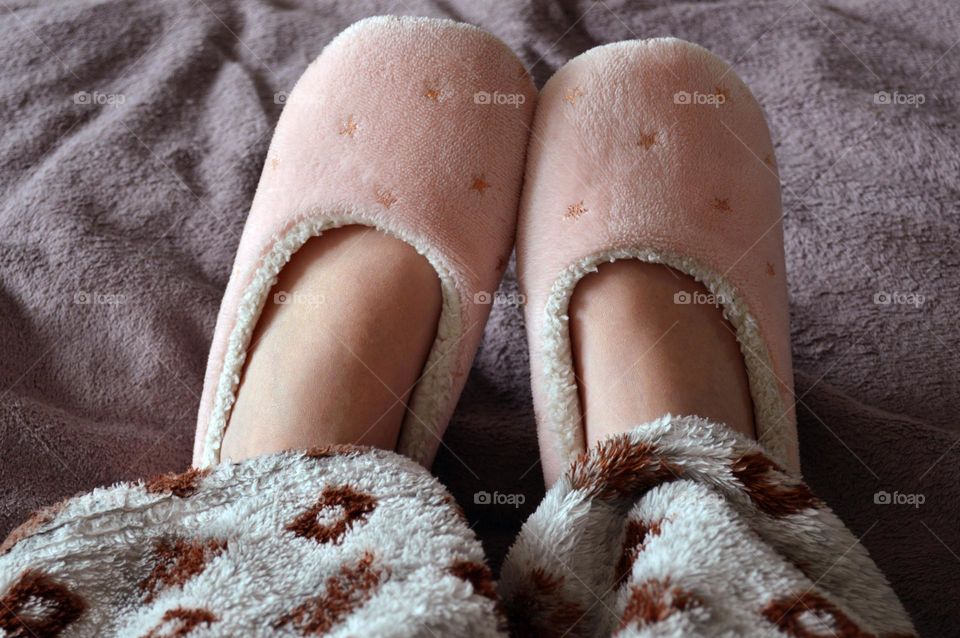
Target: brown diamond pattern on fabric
<point>653,601</point>
<point>180,621</point>
<point>26,529</point>
<point>177,561</point>
<point>183,484</point>
<point>478,575</point>
<point>618,468</point>
<point>770,489</point>
<point>334,449</point>
<point>788,614</point>
<point>37,605</point>
<point>633,544</point>
<point>334,514</point>
<point>345,593</point>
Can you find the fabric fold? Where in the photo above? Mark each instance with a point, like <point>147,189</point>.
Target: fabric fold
<point>683,527</point>
<point>334,541</point>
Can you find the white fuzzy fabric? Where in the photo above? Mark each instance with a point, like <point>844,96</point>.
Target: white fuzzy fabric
<point>727,557</point>
<point>101,546</point>
<point>729,545</point>
<point>429,398</point>
<point>770,411</point>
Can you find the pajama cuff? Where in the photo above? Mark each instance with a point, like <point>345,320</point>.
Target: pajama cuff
<point>680,527</point>
<point>348,540</point>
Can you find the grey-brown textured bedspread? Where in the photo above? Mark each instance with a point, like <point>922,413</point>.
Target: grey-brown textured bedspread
<point>133,134</point>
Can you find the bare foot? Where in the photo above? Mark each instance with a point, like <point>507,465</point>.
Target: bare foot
<point>639,353</point>
<point>341,342</point>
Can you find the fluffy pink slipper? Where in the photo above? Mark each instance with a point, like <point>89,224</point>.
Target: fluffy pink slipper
<point>417,127</point>
<point>653,150</point>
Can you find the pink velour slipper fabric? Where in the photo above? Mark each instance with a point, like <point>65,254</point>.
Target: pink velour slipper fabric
<point>653,150</point>
<point>417,127</point>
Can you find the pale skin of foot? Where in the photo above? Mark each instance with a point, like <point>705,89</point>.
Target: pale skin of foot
<point>639,355</point>
<point>336,362</point>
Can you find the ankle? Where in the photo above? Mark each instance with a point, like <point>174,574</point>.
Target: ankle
<point>338,348</point>
<point>639,354</point>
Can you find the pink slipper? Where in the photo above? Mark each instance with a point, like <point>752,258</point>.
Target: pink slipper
<point>653,150</point>
<point>417,127</point>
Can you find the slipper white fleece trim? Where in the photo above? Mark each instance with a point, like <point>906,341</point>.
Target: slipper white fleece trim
<point>561,383</point>
<point>434,387</point>
<point>385,129</point>
<point>624,163</point>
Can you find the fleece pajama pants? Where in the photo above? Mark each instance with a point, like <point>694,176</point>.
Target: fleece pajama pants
<point>679,528</point>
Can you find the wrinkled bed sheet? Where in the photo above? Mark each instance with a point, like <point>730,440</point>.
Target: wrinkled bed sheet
<point>133,134</point>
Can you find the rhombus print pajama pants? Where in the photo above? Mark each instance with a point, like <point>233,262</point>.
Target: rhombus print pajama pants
<point>679,528</point>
